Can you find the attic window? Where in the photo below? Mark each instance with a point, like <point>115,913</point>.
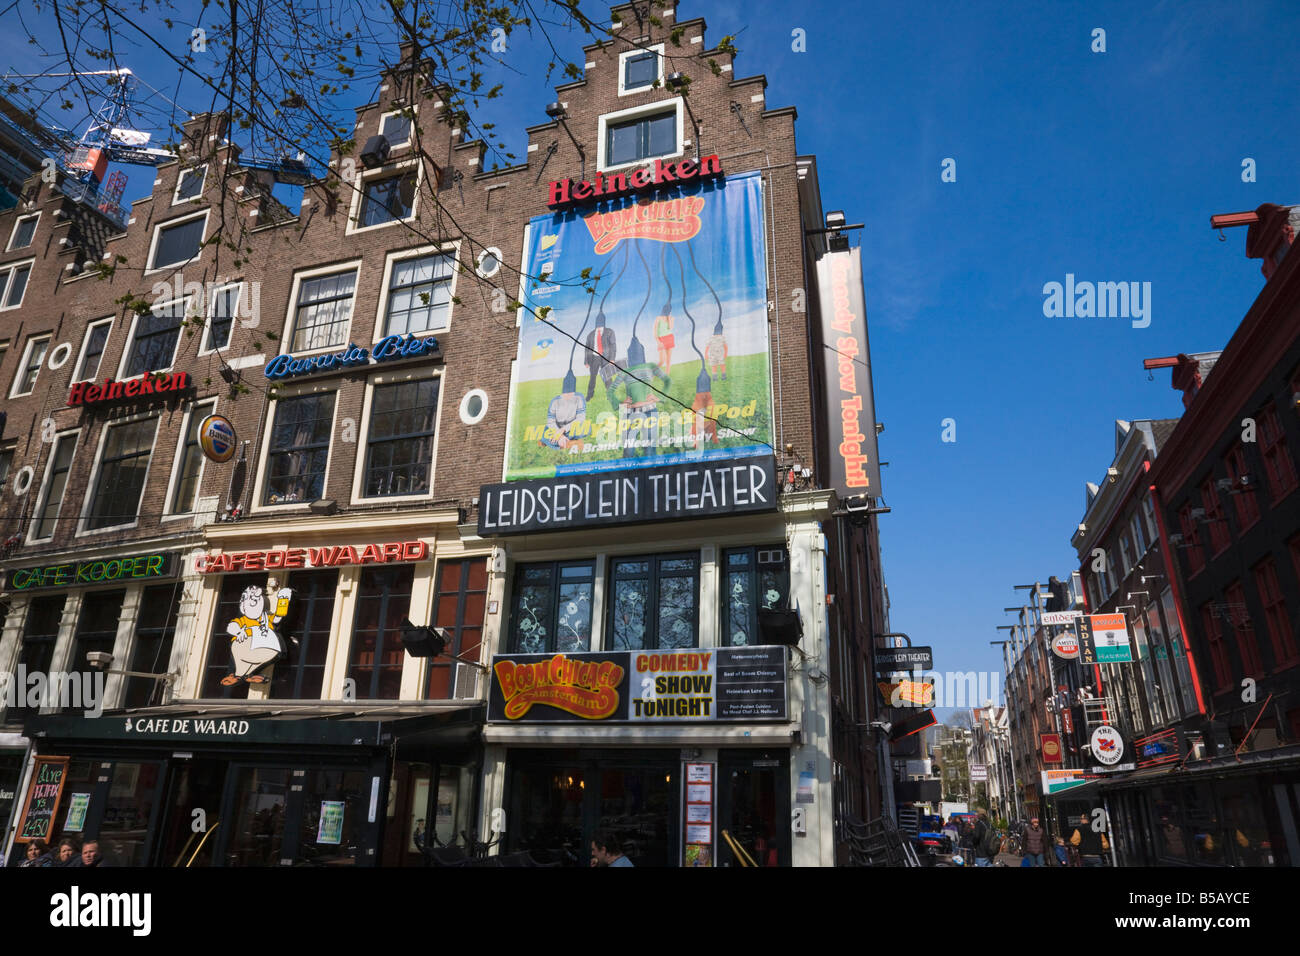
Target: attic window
<point>190,184</point>
<point>396,128</point>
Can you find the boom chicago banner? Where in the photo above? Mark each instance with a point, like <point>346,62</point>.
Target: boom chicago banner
<point>667,362</point>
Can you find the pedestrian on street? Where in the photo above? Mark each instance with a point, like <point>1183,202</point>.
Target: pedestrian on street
<point>606,850</point>
<point>982,840</point>
<point>1090,843</point>
<point>38,854</point>
<point>1032,843</point>
<point>69,853</point>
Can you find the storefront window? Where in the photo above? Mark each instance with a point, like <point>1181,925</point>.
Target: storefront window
<point>96,632</point>
<point>257,831</point>
<point>219,661</point>
<point>1244,825</point>
<point>334,818</point>
<point>154,629</point>
<point>124,830</point>
<point>1167,810</point>
<point>654,603</point>
<point>458,608</point>
<point>755,579</point>
<point>39,637</point>
<point>1179,654</point>
<point>552,608</point>
<point>306,631</point>
<point>1203,821</point>
<point>377,655</point>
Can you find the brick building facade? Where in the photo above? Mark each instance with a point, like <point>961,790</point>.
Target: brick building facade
<point>365,351</point>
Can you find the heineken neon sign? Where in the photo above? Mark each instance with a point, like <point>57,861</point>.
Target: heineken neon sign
<point>391,348</point>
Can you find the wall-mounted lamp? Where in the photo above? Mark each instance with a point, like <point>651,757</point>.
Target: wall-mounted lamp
<point>557,112</point>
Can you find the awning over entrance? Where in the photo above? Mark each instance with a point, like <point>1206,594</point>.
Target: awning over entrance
<point>1276,759</point>
<point>320,724</point>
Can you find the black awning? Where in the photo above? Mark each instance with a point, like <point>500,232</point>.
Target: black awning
<point>1278,758</point>
<point>190,724</point>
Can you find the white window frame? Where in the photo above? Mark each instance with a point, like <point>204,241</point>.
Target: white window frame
<point>130,341</point>
<point>180,178</point>
<point>635,113</point>
<point>78,373</point>
<point>264,456</point>
<point>32,340</point>
<point>14,234</point>
<point>205,346</point>
<point>91,486</point>
<point>44,488</point>
<point>623,89</point>
<point>495,253</point>
<point>6,276</point>
<point>387,171</point>
<point>190,423</point>
<point>381,314</point>
<point>359,470</point>
<point>157,233</point>
<point>291,315</point>
<point>410,136</point>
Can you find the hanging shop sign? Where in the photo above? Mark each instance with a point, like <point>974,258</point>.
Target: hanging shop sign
<point>979,773</point>
<point>1107,745</point>
<point>1056,781</point>
<point>907,693</point>
<point>1050,744</point>
<point>668,362</point>
<point>1061,617</point>
<point>135,567</point>
<point>1103,639</point>
<point>395,552</point>
<point>725,683</point>
<point>662,493</point>
<point>846,362</point>
<point>910,722</point>
<point>565,192</point>
<point>903,659</point>
<point>43,796</point>
<point>149,385</point>
<point>217,438</point>
<point>1157,749</point>
<point>392,348</point>
<point>1066,646</point>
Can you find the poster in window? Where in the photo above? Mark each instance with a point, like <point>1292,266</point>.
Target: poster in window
<point>76,818</point>
<point>446,811</point>
<point>417,828</point>
<point>330,828</point>
<point>668,361</point>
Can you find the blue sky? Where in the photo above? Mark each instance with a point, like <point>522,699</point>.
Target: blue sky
<point>1104,165</point>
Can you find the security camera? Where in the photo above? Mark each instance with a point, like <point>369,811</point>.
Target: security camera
<point>882,725</point>
<point>1112,474</point>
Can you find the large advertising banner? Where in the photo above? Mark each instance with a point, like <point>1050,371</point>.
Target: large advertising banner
<point>846,358</point>
<point>643,339</point>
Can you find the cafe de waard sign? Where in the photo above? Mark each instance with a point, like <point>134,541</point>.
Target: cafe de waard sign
<point>566,192</point>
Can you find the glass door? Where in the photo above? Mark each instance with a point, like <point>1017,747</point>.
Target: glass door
<point>187,838</point>
<point>754,806</point>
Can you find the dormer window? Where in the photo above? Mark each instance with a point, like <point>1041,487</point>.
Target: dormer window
<point>396,128</point>
<point>640,69</point>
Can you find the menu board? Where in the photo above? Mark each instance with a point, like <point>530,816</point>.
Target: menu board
<point>751,683</point>
<point>43,795</point>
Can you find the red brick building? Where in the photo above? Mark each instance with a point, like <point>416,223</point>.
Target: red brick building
<point>366,350</point>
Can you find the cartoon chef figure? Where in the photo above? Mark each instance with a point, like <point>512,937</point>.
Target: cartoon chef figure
<point>254,643</point>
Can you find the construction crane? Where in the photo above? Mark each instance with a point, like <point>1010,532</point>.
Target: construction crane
<point>109,138</point>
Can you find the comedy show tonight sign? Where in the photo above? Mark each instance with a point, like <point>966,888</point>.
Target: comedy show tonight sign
<point>705,684</point>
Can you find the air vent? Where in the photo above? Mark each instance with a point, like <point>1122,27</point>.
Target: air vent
<point>466,682</point>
